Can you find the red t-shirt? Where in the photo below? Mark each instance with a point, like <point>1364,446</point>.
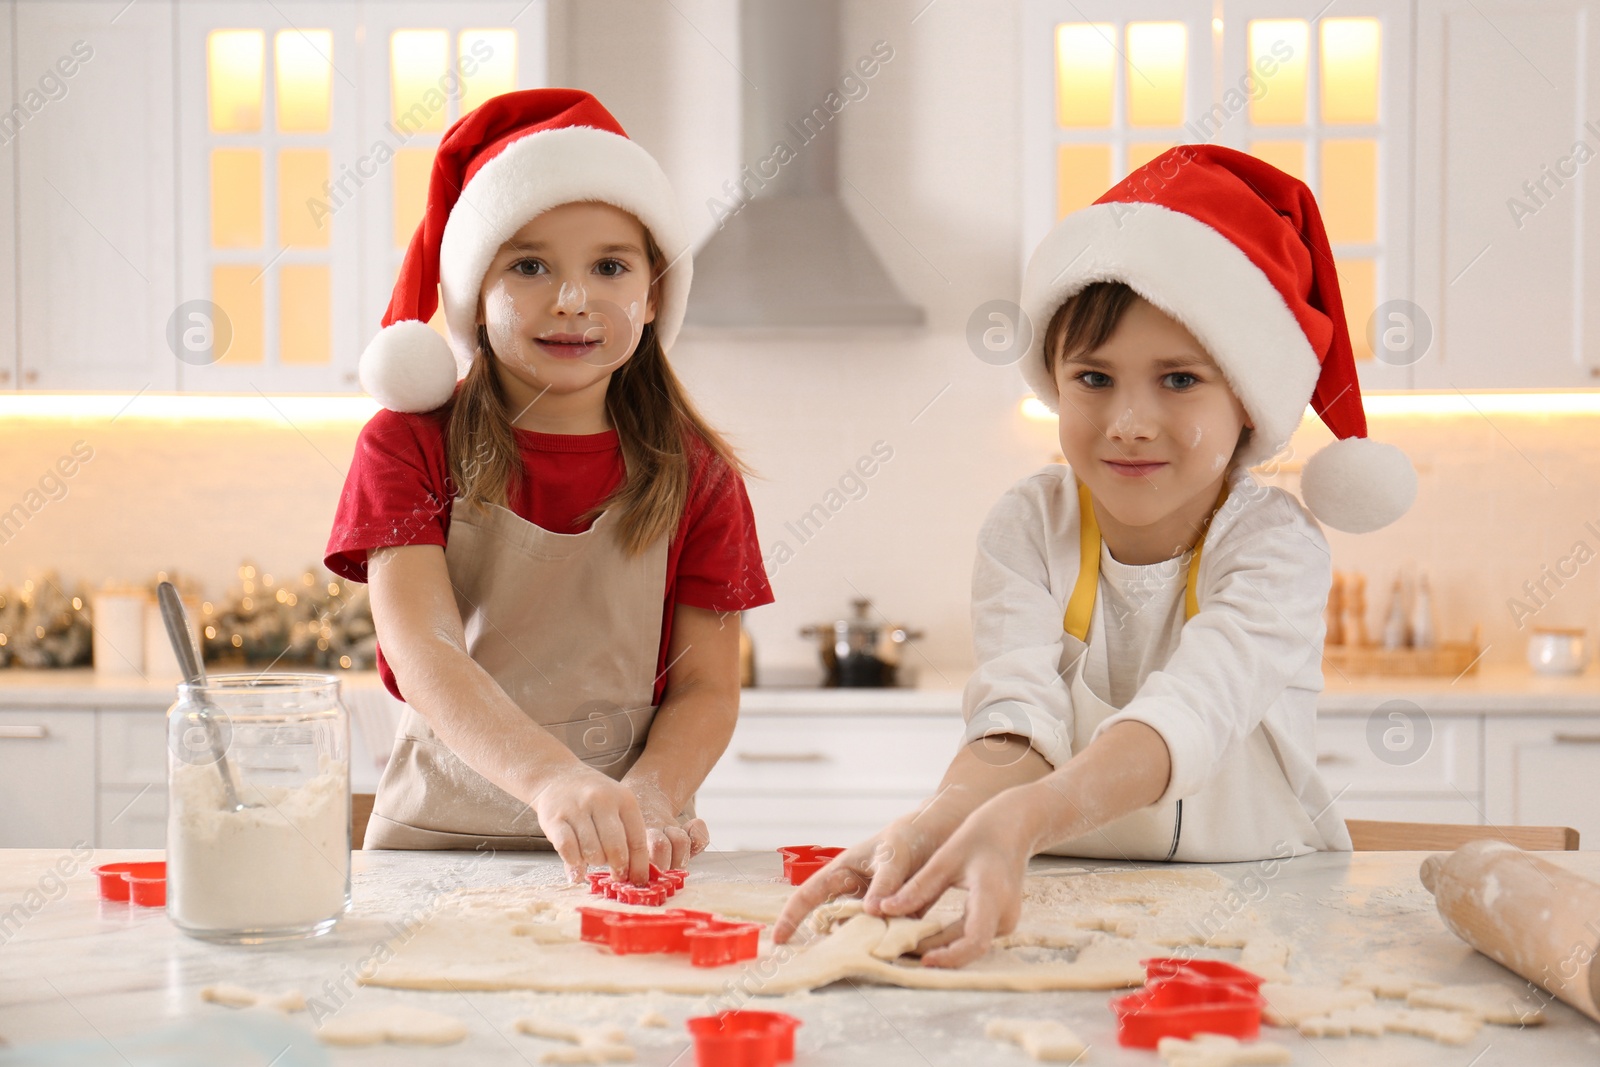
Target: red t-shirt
<point>399,492</point>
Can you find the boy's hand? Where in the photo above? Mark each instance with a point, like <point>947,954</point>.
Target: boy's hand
<point>988,856</point>
<point>877,867</point>
<point>593,821</point>
<point>670,843</point>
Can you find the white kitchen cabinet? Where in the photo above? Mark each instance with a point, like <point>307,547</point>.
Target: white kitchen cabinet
<point>95,203</point>
<point>131,796</point>
<point>47,778</point>
<point>1542,772</point>
<point>823,779</point>
<point>1507,271</point>
<point>9,131</point>
<point>1442,782</point>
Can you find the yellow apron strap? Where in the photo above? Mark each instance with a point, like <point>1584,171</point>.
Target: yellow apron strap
<point>1081,607</point>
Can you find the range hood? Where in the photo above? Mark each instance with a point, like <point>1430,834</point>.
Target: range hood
<point>787,254</point>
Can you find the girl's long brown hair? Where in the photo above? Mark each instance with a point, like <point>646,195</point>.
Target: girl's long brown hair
<point>649,407</point>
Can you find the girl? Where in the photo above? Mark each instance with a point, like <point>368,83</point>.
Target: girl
<point>559,546</point>
<point>1148,618</point>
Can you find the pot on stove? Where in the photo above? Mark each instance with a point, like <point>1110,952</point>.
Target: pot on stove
<point>861,652</point>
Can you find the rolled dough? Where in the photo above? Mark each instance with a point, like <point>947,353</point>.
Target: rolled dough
<point>239,997</point>
<point>398,1024</point>
<point>1490,1001</point>
<point>1042,1039</point>
<point>1219,1050</point>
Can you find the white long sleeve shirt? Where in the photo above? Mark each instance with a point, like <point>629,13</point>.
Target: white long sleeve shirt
<point>1249,659</point>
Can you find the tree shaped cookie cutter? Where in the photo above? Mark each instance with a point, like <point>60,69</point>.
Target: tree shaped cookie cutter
<point>709,941</point>
<point>1182,998</point>
<point>802,861</point>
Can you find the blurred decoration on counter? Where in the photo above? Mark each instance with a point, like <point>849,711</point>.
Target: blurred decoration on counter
<point>317,620</point>
<point>43,626</point>
<point>1409,644</point>
<point>859,653</point>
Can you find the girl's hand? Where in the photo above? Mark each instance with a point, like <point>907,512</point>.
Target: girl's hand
<point>593,821</point>
<point>988,856</point>
<point>669,842</point>
<point>877,867</point>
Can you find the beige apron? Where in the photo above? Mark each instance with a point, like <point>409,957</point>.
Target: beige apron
<point>569,625</point>
<point>1245,812</point>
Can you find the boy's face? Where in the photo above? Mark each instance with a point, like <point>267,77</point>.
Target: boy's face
<point>566,297</point>
<point>1147,420</point>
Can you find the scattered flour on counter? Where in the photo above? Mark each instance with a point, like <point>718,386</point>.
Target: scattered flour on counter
<point>281,865</point>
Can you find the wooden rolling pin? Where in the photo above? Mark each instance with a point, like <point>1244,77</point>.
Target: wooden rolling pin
<point>1529,915</point>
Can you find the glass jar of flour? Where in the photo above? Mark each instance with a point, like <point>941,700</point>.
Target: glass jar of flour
<point>269,859</point>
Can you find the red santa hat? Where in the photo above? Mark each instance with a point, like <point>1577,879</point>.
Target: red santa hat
<point>499,166</point>
<point>1235,250</point>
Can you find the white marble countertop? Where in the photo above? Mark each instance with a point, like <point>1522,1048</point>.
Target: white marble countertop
<point>1493,689</point>
<point>74,967</point>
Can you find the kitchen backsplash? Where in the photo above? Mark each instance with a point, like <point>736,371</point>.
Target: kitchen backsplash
<point>1502,517</point>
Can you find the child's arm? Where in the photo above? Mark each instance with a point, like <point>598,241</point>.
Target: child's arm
<point>588,818</point>
<point>691,729</point>
<point>1122,770</point>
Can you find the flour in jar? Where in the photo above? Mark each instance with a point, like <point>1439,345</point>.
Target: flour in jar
<point>283,865</point>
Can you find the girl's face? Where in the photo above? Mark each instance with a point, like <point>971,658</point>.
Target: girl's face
<point>1147,420</point>
<point>565,299</point>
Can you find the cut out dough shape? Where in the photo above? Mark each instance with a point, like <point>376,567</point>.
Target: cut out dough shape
<point>1490,1001</point>
<point>591,1044</point>
<point>239,997</point>
<point>1382,982</point>
<point>1446,1027</point>
<point>398,1024</point>
<point>1286,1005</point>
<point>1041,1039</point>
<point>904,935</point>
<point>1219,1050</point>
<point>653,1018</point>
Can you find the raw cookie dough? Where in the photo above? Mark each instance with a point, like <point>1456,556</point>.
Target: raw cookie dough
<point>1380,981</point>
<point>1219,1050</point>
<point>398,1024</point>
<point>1286,1005</point>
<point>1490,1001</point>
<point>1042,1039</point>
<point>1446,1027</point>
<point>590,1044</point>
<point>653,1018</point>
<point>239,997</point>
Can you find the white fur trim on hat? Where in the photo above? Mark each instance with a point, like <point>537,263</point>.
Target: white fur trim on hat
<point>1358,485</point>
<point>539,172</point>
<point>408,367</point>
<point>1197,276</point>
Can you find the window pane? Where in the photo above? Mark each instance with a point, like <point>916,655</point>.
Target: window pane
<point>1085,67</point>
<point>239,297</point>
<point>1358,284</point>
<point>1350,49</point>
<point>233,77</point>
<point>1157,53</point>
<point>417,67</point>
<point>491,55</point>
<point>1142,153</point>
<point>1278,49</point>
<point>1083,173</point>
<point>304,211</point>
<point>303,63</point>
<point>1349,190</point>
<point>305,314</point>
<point>1287,156</point>
<point>411,169</point>
<point>236,198</point>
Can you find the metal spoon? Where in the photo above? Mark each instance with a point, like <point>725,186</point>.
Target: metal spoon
<point>194,673</point>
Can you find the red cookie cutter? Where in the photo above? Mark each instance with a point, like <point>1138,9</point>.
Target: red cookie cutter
<point>1182,998</point>
<point>709,941</point>
<point>802,861</point>
<point>743,1038</point>
<point>140,883</point>
<point>661,887</point>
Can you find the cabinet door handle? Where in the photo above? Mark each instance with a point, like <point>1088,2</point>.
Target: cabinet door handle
<point>1325,759</point>
<point>1577,739</point>
<point>784,757</point>
<point>24,733</point>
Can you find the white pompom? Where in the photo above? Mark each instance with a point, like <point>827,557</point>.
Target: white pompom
<point>408,367</point>
<point>1358,485</point>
